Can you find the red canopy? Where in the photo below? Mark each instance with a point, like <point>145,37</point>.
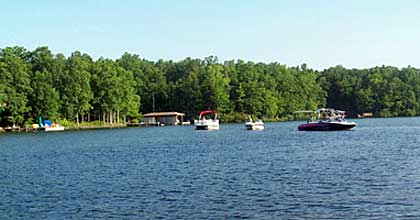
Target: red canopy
<point>208,112</point>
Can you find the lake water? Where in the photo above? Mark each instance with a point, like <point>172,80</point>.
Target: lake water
<point>371,172</point>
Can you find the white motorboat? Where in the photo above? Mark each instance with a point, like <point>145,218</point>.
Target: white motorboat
<point>207,121</point>
<point>258,125</point>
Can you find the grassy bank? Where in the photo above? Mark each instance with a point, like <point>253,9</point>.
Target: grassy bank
<point>70,125</point>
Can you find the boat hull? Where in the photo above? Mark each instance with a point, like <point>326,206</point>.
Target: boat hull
<point>207,127</point>
<point>54,129</point>
<point>254,127</point>
<point>327,126</point>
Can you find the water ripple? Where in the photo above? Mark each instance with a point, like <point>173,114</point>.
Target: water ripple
<point>372,172</point>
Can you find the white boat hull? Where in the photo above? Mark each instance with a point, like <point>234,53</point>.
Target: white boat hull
<point>254,126</point>
<point>54,128</point>
<point>207,125</point>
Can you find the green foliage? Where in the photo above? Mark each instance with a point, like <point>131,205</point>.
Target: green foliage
<point>214,88</point>
<point>85,125</point>
<point>44,98</point>
<point>106,88</point>
<point>234,117</point>
<point>74,85</point>
<point>384,91</point>
<point>2,97</point>
<point>115,89</point>
<point>39,83</point>
<point>14,86</point>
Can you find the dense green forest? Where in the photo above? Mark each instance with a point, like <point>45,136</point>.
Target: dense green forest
<point>79,88</point>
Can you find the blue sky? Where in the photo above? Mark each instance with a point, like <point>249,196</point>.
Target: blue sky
<point>355,34</point>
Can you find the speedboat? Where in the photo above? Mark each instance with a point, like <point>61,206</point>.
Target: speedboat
<point>207,120</point>
<point>258,125</point>
<point>326,119</point>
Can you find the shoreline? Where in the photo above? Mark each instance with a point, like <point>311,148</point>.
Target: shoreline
<point>92,127</point>
<point>66,128</point>
<point>130,125</point>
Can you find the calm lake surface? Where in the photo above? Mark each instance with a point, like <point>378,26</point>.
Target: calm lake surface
<point>371,172</point>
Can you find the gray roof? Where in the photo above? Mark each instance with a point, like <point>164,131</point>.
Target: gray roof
<point>163,114</point>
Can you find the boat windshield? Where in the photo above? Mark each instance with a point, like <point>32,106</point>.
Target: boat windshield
<point>331,114</point>
<point>323,114</point>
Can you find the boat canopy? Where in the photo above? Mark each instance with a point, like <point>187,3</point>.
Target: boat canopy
<point>324,113</point>
<point>47,123</point>
<point>321,110</point>
<point>208,112</point>
<point>331,110</point>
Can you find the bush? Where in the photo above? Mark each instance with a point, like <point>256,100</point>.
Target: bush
<point>234,117</point>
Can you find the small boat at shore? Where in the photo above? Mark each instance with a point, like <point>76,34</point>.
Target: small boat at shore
<point>258,125</point>
<point>207,120</point>
<point>326,119</point>
<point>54,128</point>
<point>47,125</point>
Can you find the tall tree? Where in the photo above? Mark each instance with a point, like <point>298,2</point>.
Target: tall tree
<point>75,89</point>
<point>114,90</point>
<point>215,88</point>
<point>44,99</point>
<point>133,64</point>
<point>154,92</point>
<point>14,85</point>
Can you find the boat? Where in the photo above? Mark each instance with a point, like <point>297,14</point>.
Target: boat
<point>207,120</point>
<point>326,119</point>
<point>365,115</point>
<point>55,127</point>
<point>186,123</point>
<point>47,125</point>
<point>258,125</point>
<point>8,127</point>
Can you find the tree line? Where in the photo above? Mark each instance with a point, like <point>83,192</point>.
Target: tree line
<point>79,88</point>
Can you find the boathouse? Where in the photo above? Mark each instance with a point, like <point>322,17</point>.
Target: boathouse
<point>163,118</point>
